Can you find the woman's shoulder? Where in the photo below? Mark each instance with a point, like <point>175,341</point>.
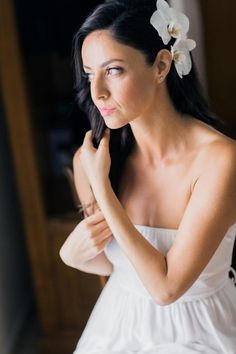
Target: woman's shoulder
<point>214,145</point>
<point>215,156</point>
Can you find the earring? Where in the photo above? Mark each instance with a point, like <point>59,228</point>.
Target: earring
<point>161,77</point>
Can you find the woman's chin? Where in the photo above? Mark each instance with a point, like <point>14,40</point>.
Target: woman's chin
<point>114,125</point>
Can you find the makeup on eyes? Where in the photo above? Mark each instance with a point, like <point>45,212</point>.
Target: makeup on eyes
<point>87,75</point>
<point>105,63</point>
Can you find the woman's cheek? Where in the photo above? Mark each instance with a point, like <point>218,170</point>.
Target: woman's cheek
<point>133,92</point>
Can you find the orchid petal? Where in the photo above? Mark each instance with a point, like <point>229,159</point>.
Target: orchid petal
<point>161,26</point>
<point>163,8</point>
<point>162,5</point>
<point>191,44</point>
<point>184,67</point>
<point>182,44</point>
<point>180,19</point>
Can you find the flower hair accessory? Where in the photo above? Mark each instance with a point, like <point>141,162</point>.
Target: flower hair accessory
<point>180,54</point>
<point>170,23</point>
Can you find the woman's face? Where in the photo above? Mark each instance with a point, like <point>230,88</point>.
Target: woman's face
<point>122,85</point>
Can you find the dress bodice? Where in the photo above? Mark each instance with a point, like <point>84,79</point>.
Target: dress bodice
<point>213,277</point>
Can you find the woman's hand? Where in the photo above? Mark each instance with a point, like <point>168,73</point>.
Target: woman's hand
<point>86,241</point>
<point>96,162</point>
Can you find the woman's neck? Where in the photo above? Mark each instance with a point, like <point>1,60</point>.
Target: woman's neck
<point>161,137</point>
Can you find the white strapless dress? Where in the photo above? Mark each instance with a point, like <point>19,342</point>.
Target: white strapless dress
<point>126,320</point>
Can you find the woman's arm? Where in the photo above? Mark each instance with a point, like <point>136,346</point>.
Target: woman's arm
<point>210,212</point>
<point>100,264</point>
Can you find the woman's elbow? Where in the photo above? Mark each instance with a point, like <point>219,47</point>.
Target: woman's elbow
<point>167,297</point>
<point>164,300</point>
<point>64,257</point>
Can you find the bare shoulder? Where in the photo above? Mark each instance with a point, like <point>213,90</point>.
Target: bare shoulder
<point>217,167</point>
<point>213,146</point>
<point>220,150</point>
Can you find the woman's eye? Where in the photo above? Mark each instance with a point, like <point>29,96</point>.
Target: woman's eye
<point>110,71</point>
<point>114,70</point>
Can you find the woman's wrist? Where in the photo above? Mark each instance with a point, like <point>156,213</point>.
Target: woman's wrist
<point>101,187</point>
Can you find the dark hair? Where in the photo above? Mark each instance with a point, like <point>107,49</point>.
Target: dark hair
<point>129,23</point>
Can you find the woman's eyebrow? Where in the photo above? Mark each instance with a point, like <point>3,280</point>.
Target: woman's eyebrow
<point>105,63</point>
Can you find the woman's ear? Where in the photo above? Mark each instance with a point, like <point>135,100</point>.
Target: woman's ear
<point>162,64</point>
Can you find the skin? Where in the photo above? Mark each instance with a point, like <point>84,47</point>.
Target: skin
<point>168,164</point>
<point>138,93</point>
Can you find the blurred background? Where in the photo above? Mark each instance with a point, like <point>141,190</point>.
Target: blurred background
<point>44,305</point>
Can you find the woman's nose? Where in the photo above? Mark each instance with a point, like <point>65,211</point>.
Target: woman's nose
<point>99,89</point>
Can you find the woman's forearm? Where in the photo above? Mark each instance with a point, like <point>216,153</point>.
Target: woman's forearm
<point>99,265</point>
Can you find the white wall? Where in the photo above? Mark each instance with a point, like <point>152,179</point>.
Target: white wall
<point>15,285</point>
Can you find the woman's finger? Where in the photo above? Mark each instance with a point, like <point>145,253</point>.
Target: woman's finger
<point>88,143</point>
<point>94,218</point>
<point>104,143</point>
<point>103,244</point>
<point>99,227</point>
<point>103,235</point>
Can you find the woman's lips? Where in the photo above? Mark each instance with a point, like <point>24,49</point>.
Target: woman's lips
<point>107,111</point>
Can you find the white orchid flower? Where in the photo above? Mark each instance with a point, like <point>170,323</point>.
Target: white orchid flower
<point>181,56</point>
<point>169,23</point>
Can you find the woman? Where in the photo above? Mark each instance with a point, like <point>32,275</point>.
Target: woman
<point>163,183</point>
